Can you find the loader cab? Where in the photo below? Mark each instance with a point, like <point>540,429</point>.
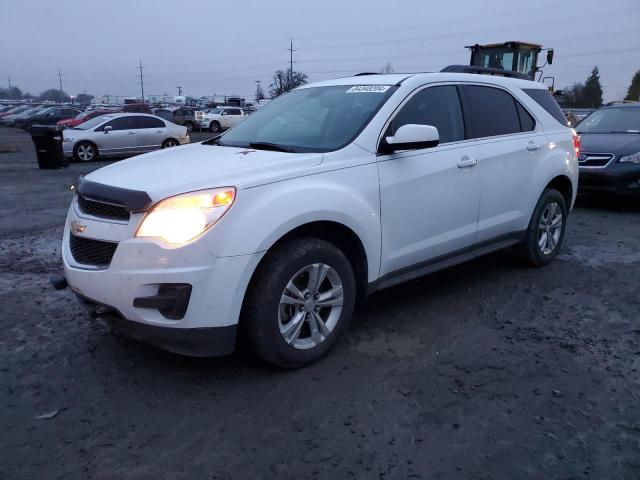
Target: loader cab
<point>517,57</point>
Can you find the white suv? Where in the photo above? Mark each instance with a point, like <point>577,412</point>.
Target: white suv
<point>283,224</point>
<point>221,118</point>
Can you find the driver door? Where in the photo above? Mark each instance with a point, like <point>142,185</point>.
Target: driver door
<point>121,139</point>
<point>429,197</point>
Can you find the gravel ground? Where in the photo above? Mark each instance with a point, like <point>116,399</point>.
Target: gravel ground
<point>486,370</point>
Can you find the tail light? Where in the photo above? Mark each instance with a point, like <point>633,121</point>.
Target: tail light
<point>576,142</point>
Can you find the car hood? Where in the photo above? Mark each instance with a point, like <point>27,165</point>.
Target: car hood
<point>617,143</point>
<point>168,172</point>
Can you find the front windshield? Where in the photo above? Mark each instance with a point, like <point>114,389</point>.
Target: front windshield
<point>316,119</point>
<point>92,122</point>
<point>612,120</point>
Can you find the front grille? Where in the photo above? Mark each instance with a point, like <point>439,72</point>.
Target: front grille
<point>594,160</point>
<point>102,210</point>
<point>92,252</point>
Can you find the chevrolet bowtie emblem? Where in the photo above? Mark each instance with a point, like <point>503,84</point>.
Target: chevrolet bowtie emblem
<point>77,227</point>
<point>244,152</point>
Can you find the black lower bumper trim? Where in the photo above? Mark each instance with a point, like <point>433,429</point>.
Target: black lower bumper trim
<point>192,342</point>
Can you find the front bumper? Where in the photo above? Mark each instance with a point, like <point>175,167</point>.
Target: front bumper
<point>619,178</point>
<point>140,268</point>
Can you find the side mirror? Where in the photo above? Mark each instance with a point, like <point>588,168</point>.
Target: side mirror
<point>107,128</point>
<point>411,137</point>
<point>550,56</point>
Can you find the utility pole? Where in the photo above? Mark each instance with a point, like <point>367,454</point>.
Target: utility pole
<point>258,90</point>
<point>179,91</point>
<point>141,82</point>
<point>9,80</point>
<point>291,50</point>
<point>60,78</point>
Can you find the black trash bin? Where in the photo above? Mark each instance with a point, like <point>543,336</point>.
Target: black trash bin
<point>48,142</point>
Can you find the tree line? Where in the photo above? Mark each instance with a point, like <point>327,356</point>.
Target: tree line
<point>588,94</point>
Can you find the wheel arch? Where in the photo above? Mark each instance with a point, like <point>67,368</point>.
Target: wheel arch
<point>339,235</point>
<point>563,184</point>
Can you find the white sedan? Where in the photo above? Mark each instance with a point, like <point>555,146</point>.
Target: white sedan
<point>121,134</point>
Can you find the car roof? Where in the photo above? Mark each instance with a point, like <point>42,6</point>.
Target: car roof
<point>623,105</point>
<point>429,77</point>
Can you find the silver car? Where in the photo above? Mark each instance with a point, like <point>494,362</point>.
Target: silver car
<point>121,134</point>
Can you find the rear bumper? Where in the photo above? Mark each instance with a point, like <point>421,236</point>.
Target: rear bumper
<point>623,179</point>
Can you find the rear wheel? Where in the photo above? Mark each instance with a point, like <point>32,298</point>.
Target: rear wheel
<point>546,230</point>
<point>215,127</point>
<point>85,151</point>
<point>169,142</point>
<point>300,302</point>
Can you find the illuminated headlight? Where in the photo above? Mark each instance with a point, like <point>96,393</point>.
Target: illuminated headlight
<point>183,217</point>
<point>633,158</point>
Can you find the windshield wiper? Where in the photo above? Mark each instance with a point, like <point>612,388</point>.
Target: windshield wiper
<point>271,146</point>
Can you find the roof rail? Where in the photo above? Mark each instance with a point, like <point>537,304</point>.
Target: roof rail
<point>484,70</point>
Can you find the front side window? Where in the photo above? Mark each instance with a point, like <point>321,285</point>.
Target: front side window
<point>315,119</point>
<point>121,123</point>
<point>489,112</point>
<point>436,106</point>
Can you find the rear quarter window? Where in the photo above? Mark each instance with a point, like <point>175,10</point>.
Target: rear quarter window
<point>544,98</point>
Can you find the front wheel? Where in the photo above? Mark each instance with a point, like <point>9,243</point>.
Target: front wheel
<point>85,152</point>
<point>215,127</point>
<point>546,230</point>
<point>300,302</point>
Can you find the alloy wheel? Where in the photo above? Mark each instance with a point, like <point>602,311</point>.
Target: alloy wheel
<point>310,306</point>
<point>550,228</point>
<point>85,153</point>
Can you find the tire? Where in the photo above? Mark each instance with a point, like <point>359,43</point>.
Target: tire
<point>546,230</point>
<point>215,127</point>
<point>169,142</point>
<point>85,152</point>
<point>269,316</point>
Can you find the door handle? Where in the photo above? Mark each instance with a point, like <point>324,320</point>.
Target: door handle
<point>466,162</point>
<point>533,146</point>
<point>131,133</point>
<point>158,131</point>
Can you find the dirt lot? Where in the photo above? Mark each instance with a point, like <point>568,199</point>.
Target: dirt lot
<point>487,370</point>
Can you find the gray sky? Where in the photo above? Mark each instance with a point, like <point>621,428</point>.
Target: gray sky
<point>221,47</point>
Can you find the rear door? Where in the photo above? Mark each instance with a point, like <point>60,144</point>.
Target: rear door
<point>429,197</point>
<point>150,132</point>
<point>512,145</point>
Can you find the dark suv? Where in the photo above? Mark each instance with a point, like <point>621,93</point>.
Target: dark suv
<point>184,116</point>
<point>609,155</point>
<point>50,116</point>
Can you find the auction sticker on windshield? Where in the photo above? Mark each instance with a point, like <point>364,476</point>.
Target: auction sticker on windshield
<point>368,89</point>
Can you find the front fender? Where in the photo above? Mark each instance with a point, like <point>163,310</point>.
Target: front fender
<point>264,214</point>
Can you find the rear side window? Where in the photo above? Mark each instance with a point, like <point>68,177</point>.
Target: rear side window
<point>544,98</point>
<point>149,122</point>
<point>437,106</point>
<point>489,112</point>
